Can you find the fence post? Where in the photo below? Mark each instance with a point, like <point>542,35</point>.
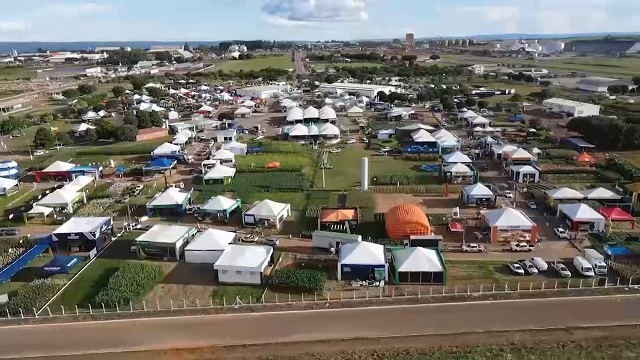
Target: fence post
<point>580,283</point>
<point>506,287</point>
<point>593,283</point>
<point>569,284</point>
<point>262,299</point>
<point>117,308</point>
<point>480,288</point>
<point>543,284</point>
<point>518,285</point>
<point>144,305</point>
<point>531,286</point>
<point>430,291</point>
<point>184,303</point>
<point>35,313</point>
<point>494,288</point>
<point>380,292</point>
<point>393,292</point>
<point>276,298</point>
<point>130,306</point>
<point>418,294</point>
<point>606,282</point>
<point>468,289</point>
<point>444,289</point>
<point>76,309</point>
<point>354,294</point>
<point>157,304</point>
<point>556,285</point>
<point>210,302</point>
<point>90,309</point>
<point>251,299</point>
<point>103,309</point>
<point>198,303</point>
<point>224,301</point>
<point>21,313</point>
<point>455,290</point>
<point>618,282</point>
<point>8,315</point>
<point>62,307</point>
<point>171,303</point>
<point>329,295</point>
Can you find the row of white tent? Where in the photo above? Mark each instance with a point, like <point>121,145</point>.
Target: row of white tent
<point>297,114</point>
<point>63,197</point>
<point>326,129</point>
<point>565,193</point>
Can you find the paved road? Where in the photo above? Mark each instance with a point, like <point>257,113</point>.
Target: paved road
<point>131,335</point>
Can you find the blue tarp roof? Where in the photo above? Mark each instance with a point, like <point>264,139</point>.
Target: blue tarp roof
<point>61,264</point>
<point>160,163</point>
<point>616,249</point>
<point>13,268</point>
<point>579,142</point>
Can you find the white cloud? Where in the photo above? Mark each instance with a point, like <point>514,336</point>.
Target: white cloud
<point>506,17</point>
<point>310,11</point>
<point>13,27</point>
<point>74,10</point>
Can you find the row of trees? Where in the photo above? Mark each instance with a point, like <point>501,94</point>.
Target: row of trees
<point>267,74</point>
<point>82,89</point>
<point>606,133</point>
<point>126,58</point>
<point>143,119</point>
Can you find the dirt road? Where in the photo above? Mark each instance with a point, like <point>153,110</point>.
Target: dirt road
<point>250,329</point>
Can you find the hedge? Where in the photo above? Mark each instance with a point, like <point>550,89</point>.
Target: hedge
<point>130,283</point>
<point>413,189</point>
<point>303,280</point>
<point>35,295</point>
<point>406,179</point>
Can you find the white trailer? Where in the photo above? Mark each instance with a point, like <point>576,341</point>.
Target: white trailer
<point>596,260</point>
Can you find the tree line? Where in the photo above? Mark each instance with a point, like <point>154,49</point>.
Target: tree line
<point>606,133</point>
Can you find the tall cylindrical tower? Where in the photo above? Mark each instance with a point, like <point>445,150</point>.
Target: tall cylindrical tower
<point>364,174</point>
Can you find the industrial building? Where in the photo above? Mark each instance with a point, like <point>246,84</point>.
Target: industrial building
<point>600,84</point>
<point>367,90</point>
<point>262,92</point>
<point>575,108</point>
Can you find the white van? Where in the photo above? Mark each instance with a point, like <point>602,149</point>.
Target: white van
<point>583,266</point>
<point>596,260</point>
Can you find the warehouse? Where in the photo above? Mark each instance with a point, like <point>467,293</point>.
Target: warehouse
<point>208,246</point>
<point>367,90</point>
<point>601,84</point>
<point>262,92</point>
<point>575,108</point>
<point>419,265</point>
<point>243,264</point>
<point>164,241</point>
<point>362,261</point>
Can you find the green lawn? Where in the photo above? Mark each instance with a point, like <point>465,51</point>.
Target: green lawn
<point>17,198</point>
<point>322,66</point>
<point>25,276</point>
<point>228,294</point>
<point>17,72</point>
<point>463,272</point>
<point>258,63</point>
<point>346,167</point>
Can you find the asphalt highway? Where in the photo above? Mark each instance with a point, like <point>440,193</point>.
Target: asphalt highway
<point>235,329</point>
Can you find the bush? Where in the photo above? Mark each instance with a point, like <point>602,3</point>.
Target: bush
<point>304,280</point>
<point>413,189</point>
<point>35,295</point>
<point>406,179</point>
<point>131,282</point>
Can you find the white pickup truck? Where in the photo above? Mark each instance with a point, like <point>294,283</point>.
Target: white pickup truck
<point>521,247</point>
<point>473,248</point>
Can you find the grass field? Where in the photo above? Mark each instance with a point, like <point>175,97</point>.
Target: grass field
<point>278,62</point>
<point>296,199</point>
<point>228,294</point>
<point>633,157</point>
<point>523,89</point>
<point>16,72</point>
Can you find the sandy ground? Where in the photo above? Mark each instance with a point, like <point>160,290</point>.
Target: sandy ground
<point>184,281</point>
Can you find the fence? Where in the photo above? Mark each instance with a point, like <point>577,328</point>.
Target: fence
<point>271,299</point>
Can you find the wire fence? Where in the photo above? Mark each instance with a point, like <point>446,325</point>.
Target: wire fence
<point>271,299</point>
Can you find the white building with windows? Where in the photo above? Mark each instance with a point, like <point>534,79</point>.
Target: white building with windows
<point>575,107</point>
<point>243,264</point>
<point>262,92</point>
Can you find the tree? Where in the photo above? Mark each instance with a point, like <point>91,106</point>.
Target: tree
<point>516,98</point>
<point>447,103</point>
<point>434,57</point>
<point>126,133</point>
<point>130,119</point>
<point>91,135</point>
<point>112,104</point>
<point>156,119</point>
<point>529,79</point>
<point>483,104</point>
<point>225,116</point>
<point>155,92</point>
<point>382,96</point>
<point>105,130</point>
<point>63,138</point>
<point>86,89</point>
<point>12,124</point>
<point>498,107</point>
<point>46,118</point>
<point>186,47</point>
<point>71,93</point>
<point>44,138</point>
<point>144,120</point>
<point>98,107</point>
<point>80,105</point>
<point>137,82</point>
<point>535,123</point>
<point>545,83</point>
<point>118,91</point>
<point>470,101</point>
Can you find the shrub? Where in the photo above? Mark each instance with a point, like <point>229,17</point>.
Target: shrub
<point>13,248</point>
<point>304,280</point>
<point>413,189</point>
<point>131,282</point>
<point>35,295</point>
<point>406,179</point>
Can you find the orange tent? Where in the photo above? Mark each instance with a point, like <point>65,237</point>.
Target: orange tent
<point>338,215</point>
<point>402,221</point>
<point>585,159</point>
<point>272,165</point>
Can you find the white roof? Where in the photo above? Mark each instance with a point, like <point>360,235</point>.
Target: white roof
<point>81,127</point>
<point>478,190</point>
<point>580,212</point>
<point>565,193</point>
<point>521,154</point>
<point>469,114</point>
<point>242,111</point>
<point>81,181</point>
<point>267,208</point>
<point>507,217</point>
<point>179,139</point>
<point>417,259</point>
<point>298,130</point>
<point>480,120</point>
<point>417,127</point>
<point>443,134</point>
<point>355,109</point>
<point>362,253</point>
<point>525,169</point>
<point>166,148</point>
<point>456,157</point>
<point>248,103</point>
<point>59,197</point>
<point>422,136</point>
<point>206,108</point>
<point>458,168</point>
<point>218,203</point>
<point>313,129</point>
<point>171,196</point>
<point>220,172</point>
<point>234,145</point>
<point>165,233</point>
<point>447,142</point>
<point>535,150</point>
<point>244,257</point>
<point>328,101</point>
<point>37,209</point>
<point>7,183</point>
<point>504,149</point>
<point>211,240</point>
<point>489,140</point>
<point>294,114</point>
<point>81,225</point>
<point>329,129</point>
<point>327,113</point>
<point>59,166</point>
<point>311,113</point>
<point>478,129</point>
<point>223,154</point>
<point>600,194</point>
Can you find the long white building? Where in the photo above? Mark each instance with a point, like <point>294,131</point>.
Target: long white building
<point>360,89</point>
<point>262,92</point>
<point>575,107</point>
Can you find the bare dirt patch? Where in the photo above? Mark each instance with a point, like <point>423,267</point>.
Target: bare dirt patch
<point>184,281</point>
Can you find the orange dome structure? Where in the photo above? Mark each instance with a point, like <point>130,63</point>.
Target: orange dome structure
<point>402,221</point>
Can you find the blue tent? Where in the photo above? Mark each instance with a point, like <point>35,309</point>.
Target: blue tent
<point>61,264</point>
<point>159,164</point>
<point>7,272</point>
<point>121,169</point>
<point>516,117</point>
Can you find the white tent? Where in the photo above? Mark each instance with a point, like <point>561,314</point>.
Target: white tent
<point>248,104</point>
<point>80,182</point>
<point>59,166</point>
<point>468,115</point>
<point>90,115</point>
<point>520,154</point>
<point>208,246</point>
<point>328,101</point>
<point>536,151</point>
<point>242,111</point>
<point>508,218</point>
<point>295,114</point>
<point>489,129</point>
<point>329,129</point>
<point>565,193</point>
<point>354,111</point>
<point>225,156</point>
<point>218,203</point>
<point>414,127</point>
<point>443,134</point>
<point>77,128</point>
<point>422,136</point>
<point>243,264</point>
<point>313,129</point>
<point>417,259</point>
<point>167,149</point>
<point>363,99</point>
<point>600,193</point>
<point>480,120</point>
<point>205,108</point>
<point>180,140</point>
<point>38,210</point>
<point>458,169</point>
<point>173,115</point>
<point>236,148</point>
<point>311,113</point>
<point>478,129</point>
<point>361,254</point>
<point>583,213</point>
<point>299,130</point>
<point>476,194</point>
<point>327,113</point>
<point>266,210</point>
<point>60,198</point>
<point>6,184</point>
<point>519,173</point>
<point>220,172</point>
<point>8,168</point>
<point>456,157</point>
<point>171,196</point>
<point>489,140</point>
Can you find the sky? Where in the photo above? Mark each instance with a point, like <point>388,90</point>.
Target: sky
<point>212,20</point>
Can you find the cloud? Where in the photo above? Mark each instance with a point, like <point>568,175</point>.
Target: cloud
<point>75,10</point>
<point>508,17</point>
<point>288,12</point>
<point>13,27</point>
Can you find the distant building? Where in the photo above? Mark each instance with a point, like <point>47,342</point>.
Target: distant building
<point>367,90</point>
<point>604,46</point>
<point>111,48</point>
<point>411,42</point>
<point>600,84</point>
<point>10,107</point>
<point>569,106</point>
<point>262,92</point>
<point>163,48</point>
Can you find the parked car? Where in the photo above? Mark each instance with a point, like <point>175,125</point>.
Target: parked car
<point>9,232</point>
<point>334,150</point>
<point>532,205</point>
<point>473,248</point>
<point>40,152</point>
<point>520,247</point>
<point>364,140</point>
<point>381,153</point>
<point>562,270</point>
<point>386,149</point>
<point>528,267</point>
<point>539,263</point>
<point>192,209</point>
<point>508,194</point>
<point>351,140</point>
<point>516,269</point>
<point>249,238</point>
<point>272,241</point>
<point>561,233</point>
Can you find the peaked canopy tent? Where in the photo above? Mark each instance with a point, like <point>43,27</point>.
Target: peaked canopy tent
<point>478,121</point>
<point>354,111</point>
<point>403,221</point>
<point>616,215</point>
<point>311,114</point>
<point>524,174</point>
<point>509,224</point>
<point>295,114</point>
<point>170,201</point>
<point>208,246</point>
<point>242,112</point>
<point>159,165</point>
<point>83,233</point>
<point>7,184</point>
<point>518,156</point>
<point>219,174</point>
<point>60,264</point>
<point>243,264</point>
<point>563,194</point>
<point>600,194</point>
<point>362,261</point>
<point>225,157</point>
<point>328,114</point>
<point>423,136</point>
<point>62,199</point>
<point>221,206</point>
<point>584,159</point>
<point>329,130</point>
<point>467,115</point>
<point>267,212</point>
<point>419,265</point>
<point>38,210</point>
<point>59,170</point>
<point>415,127</point>
<point>459,173</point>
<point>236,148</point>
<point>167,150</point>
<point>581,217</point>
<point>9,169</point>
<point>478,195</point>
<point>164,241</point>
<point>456,157</point>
